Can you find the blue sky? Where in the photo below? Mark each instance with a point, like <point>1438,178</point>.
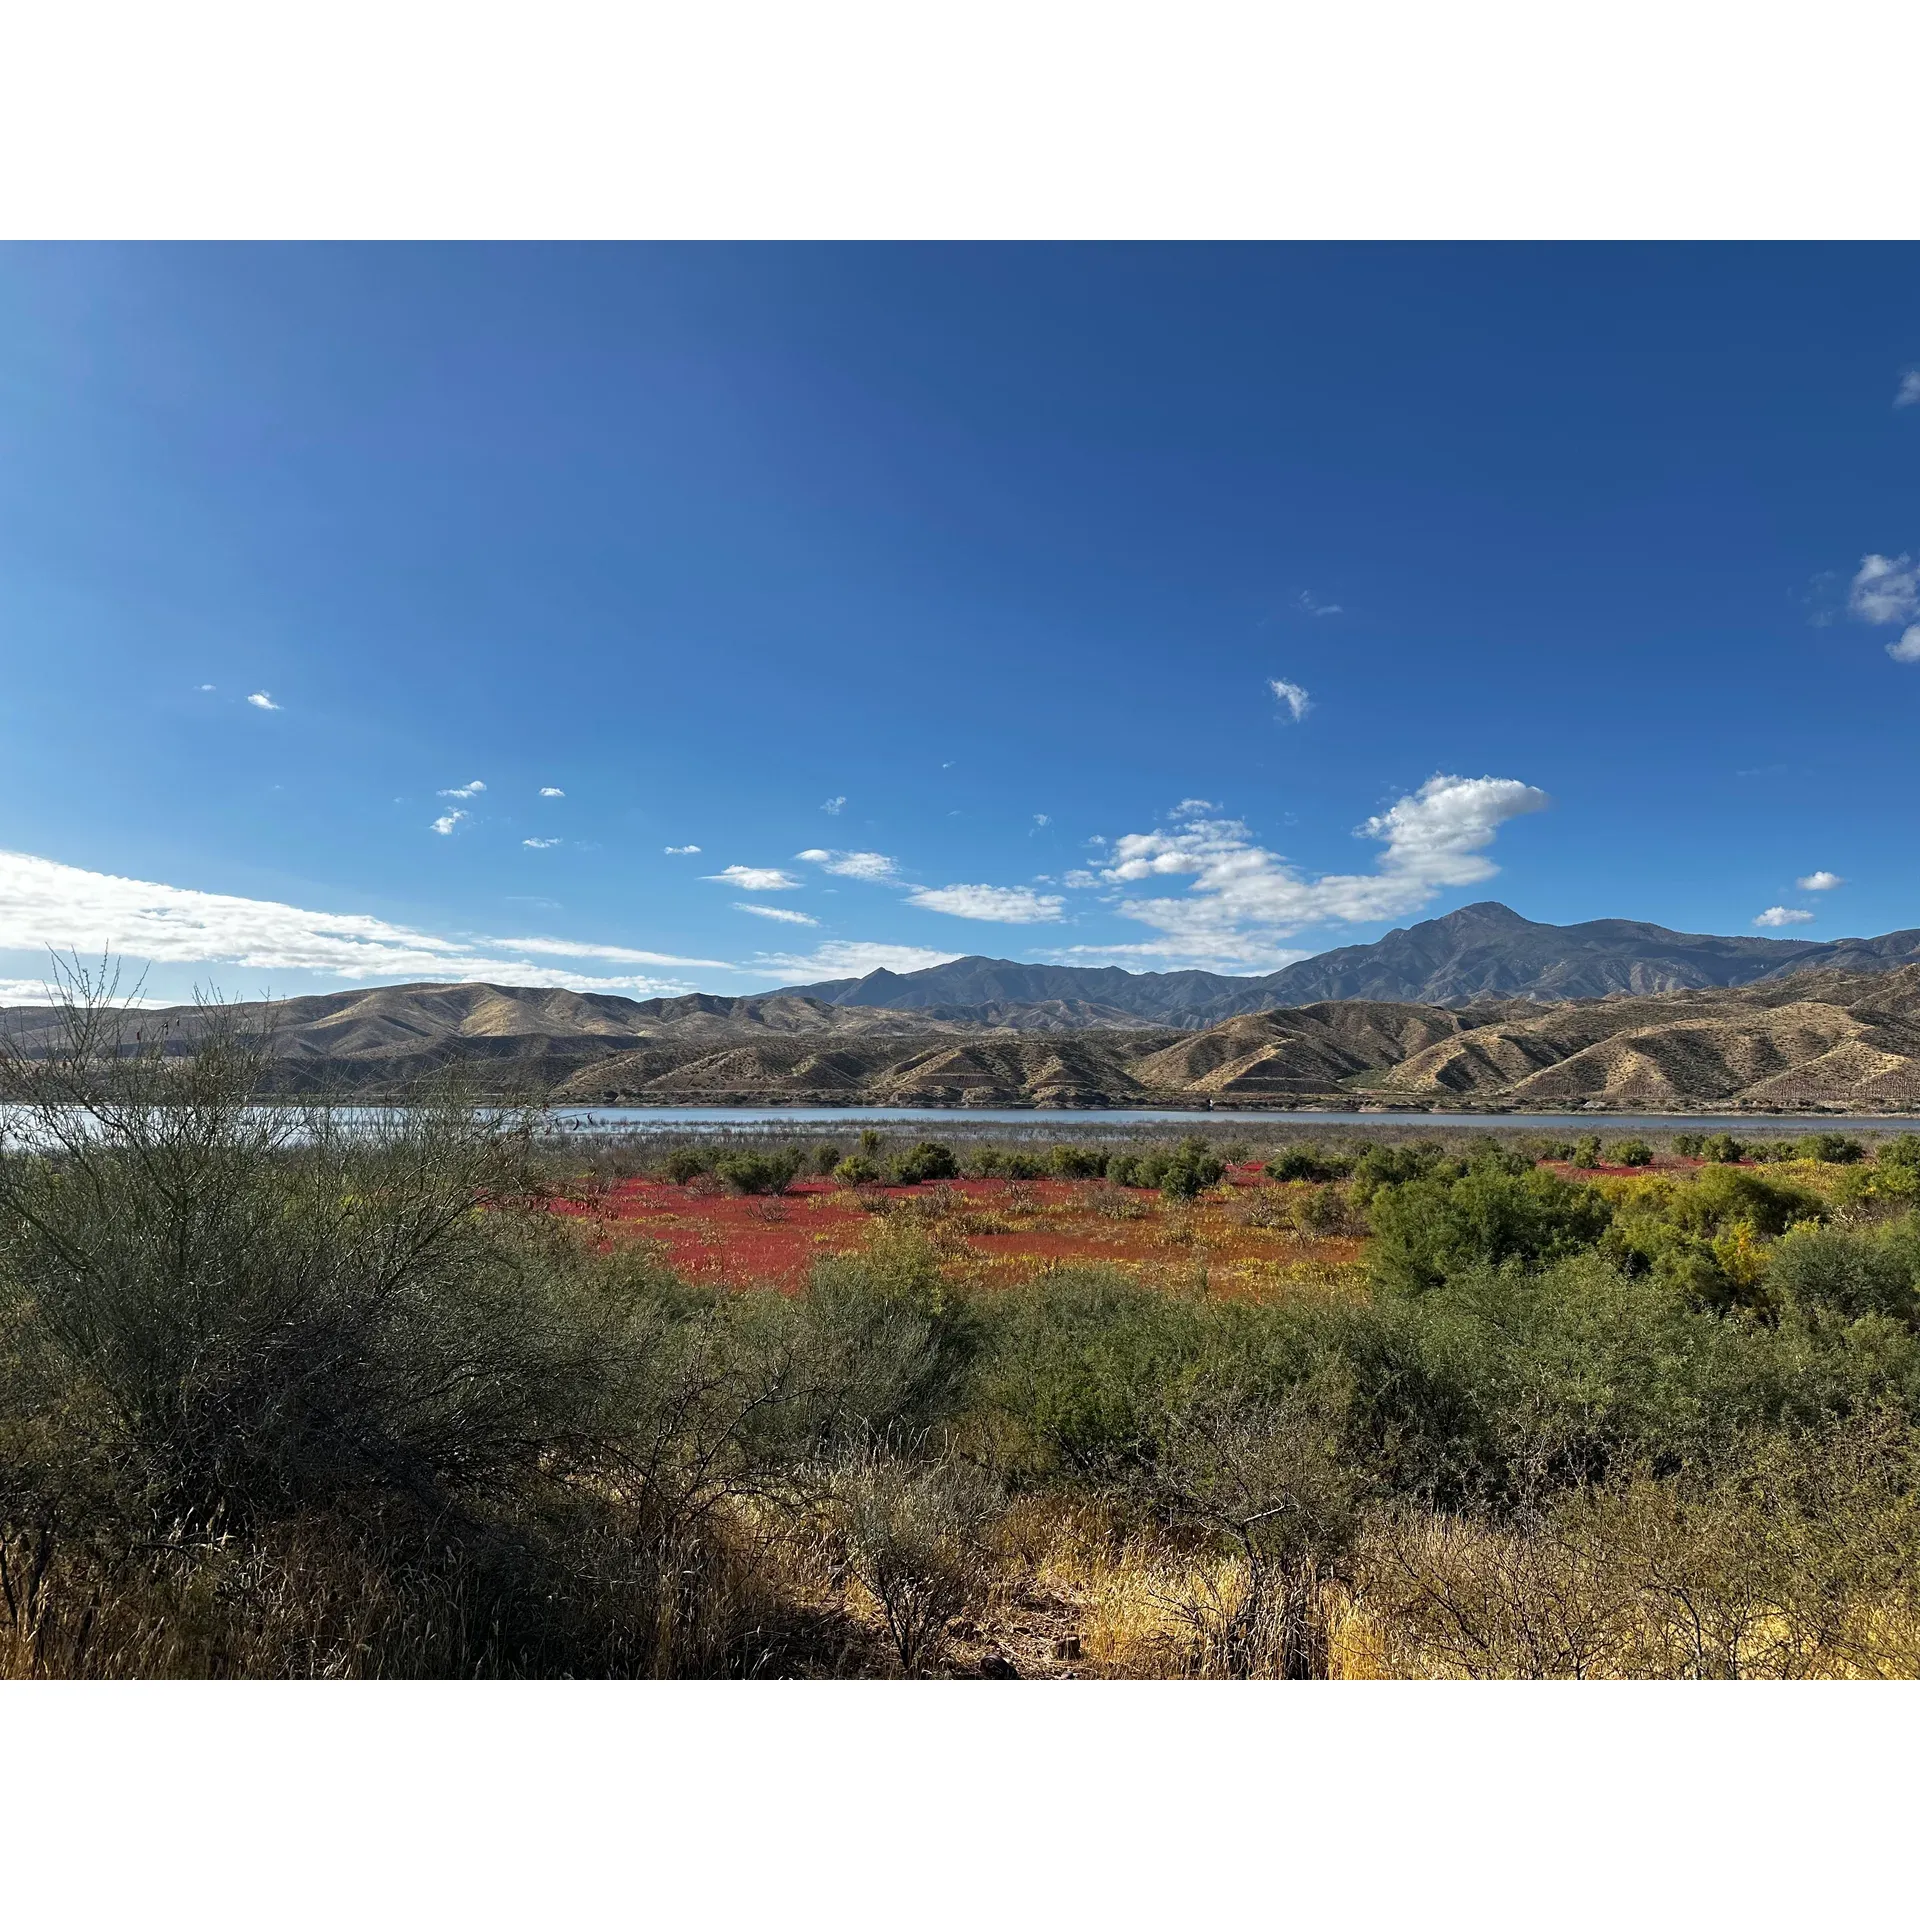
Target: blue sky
<point>1162,605</point>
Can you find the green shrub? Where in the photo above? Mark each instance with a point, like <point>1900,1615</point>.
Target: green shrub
<point>1305,1163</point>
<point>1632,1153</point>
<point>1848,1274</point>
<point>1834,1149</point>
<point>856,1170</point>
<point>1426,1232</point>
<point>682,1164</point>
<point>759,1172</point>
<point>1069,1162</point>
<point>1722,1149</point>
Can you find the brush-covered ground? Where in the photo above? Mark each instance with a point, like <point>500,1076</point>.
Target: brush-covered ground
<point>284,1392</point>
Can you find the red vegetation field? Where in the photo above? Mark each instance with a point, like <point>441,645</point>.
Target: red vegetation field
<point>994,1232</point>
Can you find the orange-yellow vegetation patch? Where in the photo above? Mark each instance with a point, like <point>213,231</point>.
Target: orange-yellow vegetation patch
<point>998,1233</point>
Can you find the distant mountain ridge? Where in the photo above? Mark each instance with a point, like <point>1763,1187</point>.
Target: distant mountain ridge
<point>1485,951</point>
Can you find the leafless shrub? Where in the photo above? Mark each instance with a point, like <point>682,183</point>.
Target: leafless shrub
<point>910,1530</point>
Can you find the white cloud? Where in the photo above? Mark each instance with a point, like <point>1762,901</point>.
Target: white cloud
<point>1080,877</point>
<point>754,879</point>
<point>834,959</point>
<point>1885,590</point>
<point>689,848</point>
<point>1183,810</point>
<point>1242,894</point>
<point>539,843</point>
<point>1907,648</point>
<point>265,701</point>
<point>853,866</point>
<point>1293,698</point>
<point>1820,882</point>
<point>1909,390</point>
<point>1782,917</point>
<point>777,913</point>
<point>43,993</point>
<point>449,820</point>
<point>837,804</point>
<point>553,793</point>
<point>463,793</point>
<point>70,909</point>
<point>1308,604</point>
<point>1011,906</point>
<point>206,686</point>
<point>589,950</point>
<point>1043,819</point>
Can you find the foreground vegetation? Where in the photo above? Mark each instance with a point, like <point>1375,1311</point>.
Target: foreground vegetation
<point>285,1395</point>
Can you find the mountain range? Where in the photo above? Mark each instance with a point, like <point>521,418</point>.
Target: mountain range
<point>1480,952</point>
<point>1824,1026</point>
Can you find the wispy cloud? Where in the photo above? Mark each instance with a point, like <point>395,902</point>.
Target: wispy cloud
<point>1782,917</point>
<point>206,686</point>
<point>42,993</point>
<point>1043,819</point>
<point>787,914</point>
<point>539,843</point>
<point>590,950</point>
<point>264,701</point>
<point>1820,882</point>
<point>1292,697</point>
<point>448,820</point>
<point>1318,608</point>
<point>835,959</point>
<point>553,793</point>
<point>853,866</point>
<point>754,879</point>
<point>1010,906</point>
<point>463,793</point>
<point>1907,394</point>
<point>1242,897</point>
<point>689,848</point>
<point>838,804</point>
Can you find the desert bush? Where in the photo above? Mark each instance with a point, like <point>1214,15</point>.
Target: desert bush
<point>931,1160</point>
<point>749,1172</point>
<point>1721,1148</point>
<point>1632,1153</point>
<point>910,1530</point>
<point>1069,1162</point>
<point>856,1170</point>
<point>1426,1230</point>
<point>682,1164</point>
<point>1835,1149</point>
<point>1306,1163</point>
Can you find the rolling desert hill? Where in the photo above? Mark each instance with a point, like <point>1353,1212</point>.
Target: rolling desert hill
<point>1823,1038</point>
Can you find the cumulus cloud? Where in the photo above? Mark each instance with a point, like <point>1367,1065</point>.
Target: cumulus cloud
<point>1907,648</point>
<point>1886,589</point>
<point>1782,917</point>
<point>787,914</point>
<point>853,866</point>
<point>539,843</point>
<point>1010,906</point>
<point>553,793</point>
<point>448,820</point>
<point>1241,895</point>
<point>463,793</point>
<point>689,848</point>
<point>1820,882</point>
<point>1080,877</point>
<point>754,879</point>
<point>1043,819</point>
<point>1293,698</point>
<point>835,959</point>
<point>1908,392</point>
<point>264,701</point>
<point>838,804</point>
